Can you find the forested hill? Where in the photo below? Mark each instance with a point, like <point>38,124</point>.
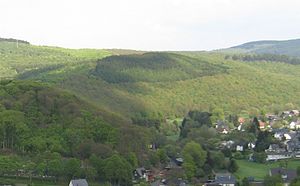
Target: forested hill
<point>35,118</point>
<point>287,47</point>
<point>130,83</point>
<point>154,67</point>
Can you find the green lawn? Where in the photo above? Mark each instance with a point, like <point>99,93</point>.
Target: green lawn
<point>259,171</point>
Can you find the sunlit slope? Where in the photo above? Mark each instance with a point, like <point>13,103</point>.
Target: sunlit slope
<point>232,85</point>
<point>25,60</point>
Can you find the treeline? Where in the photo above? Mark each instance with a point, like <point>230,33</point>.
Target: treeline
<point>115,169</point>
<point>265,57</point>
<point>13,40</point>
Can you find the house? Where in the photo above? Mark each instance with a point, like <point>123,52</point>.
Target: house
<point>227,144</point>
<point>272,117</point>
<point>240,148</point>
<point>287,175</point>
<point>282,134</point>
<point>140,173</point>
<point>226,179</point>
<point>294,112</point>
<point>251,145</point>
<point>241,120</point>
<point>179,161</point>
<point>222,127</point>
<point>79,182</point>
<point>295,125</point>
<point>261,124</point>
<point>275,156</point>
<point>276,152</point>
<point>285,114</point>
<point>293,145</point>
<point>239,128</point>
<point>275,148</point>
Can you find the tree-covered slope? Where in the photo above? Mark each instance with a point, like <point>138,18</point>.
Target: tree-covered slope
<point>154,67</point>
<point>35,118</point>
<point>287,47</point>
<point>242,86</point>
<point>25,60</point>
<point>158,83</point>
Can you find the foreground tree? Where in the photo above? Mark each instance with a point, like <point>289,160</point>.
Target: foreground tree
<point>194,158</point>
<point>273,180</point>
<point>118,171</point>
<point>232,166</point>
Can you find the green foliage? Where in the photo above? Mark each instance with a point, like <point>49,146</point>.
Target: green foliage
<point>216,160</point>
<point>264,139</point>
<point>194,158</point>
<point>9,164</point>
<point>232,166</point>
<point>37,118</point>
<point>245,182</point>
<point>259,157</point>
<point>154,67</point>
<point>47,124</point>
<point>118,171</point>
<point>194,119</point>
<point>217,114</point>
<point>295,182</point>
<point>162,154</point>
<point>267,57</point>
<point>29,61</point>
<point>169,83</point>
<point>72,168</point>
<point>273,180</point>
<point>244,87</point>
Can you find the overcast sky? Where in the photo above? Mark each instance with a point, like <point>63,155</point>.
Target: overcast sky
<point>149,24</point>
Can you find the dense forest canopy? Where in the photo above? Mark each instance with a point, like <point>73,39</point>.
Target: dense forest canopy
<point>265,57</point>
<point>157,82</point>
<point>154,67</point>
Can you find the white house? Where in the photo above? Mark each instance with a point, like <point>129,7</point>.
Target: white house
<point>277,156</point>
<point>79,182</point>
<point>294,125</point>
<point>239,148</point>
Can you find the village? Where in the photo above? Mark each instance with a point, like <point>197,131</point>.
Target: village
<point>284,146</point>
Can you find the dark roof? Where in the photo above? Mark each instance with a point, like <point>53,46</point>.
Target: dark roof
<point>80,182</point>
<point>290,173</point>
<point>222,124</point>
<point>225,179</point>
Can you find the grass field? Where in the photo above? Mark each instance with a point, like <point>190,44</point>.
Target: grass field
<point>259,171</point>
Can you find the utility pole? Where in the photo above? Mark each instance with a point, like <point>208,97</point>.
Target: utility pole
<point>17,43</point>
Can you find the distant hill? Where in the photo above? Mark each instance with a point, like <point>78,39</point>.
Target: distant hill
<point>286,47</point>
<point>13,40</point>
<point>154,67</point>
<point>158,83</point>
